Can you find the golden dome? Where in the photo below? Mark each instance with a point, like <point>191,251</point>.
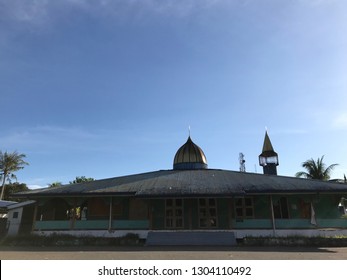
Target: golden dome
<point>190,156</point>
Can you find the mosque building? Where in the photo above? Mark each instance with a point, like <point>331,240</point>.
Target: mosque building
<point>193,199</point>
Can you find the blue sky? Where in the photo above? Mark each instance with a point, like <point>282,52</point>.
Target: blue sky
<point>109,88</point>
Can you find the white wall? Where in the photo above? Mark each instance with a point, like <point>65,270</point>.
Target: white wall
<point>14,219</point>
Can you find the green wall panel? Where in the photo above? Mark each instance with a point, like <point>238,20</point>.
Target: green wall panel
<point>130,224</point>
<point>158,213</point>
<point>252,224</point>
<point>262,209</point>
<point>223,213</point>
<point>91,224</point>
<point>52,225</point>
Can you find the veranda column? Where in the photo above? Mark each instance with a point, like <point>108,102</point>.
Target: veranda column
<point>74,214</point>
<point>150,214</point>
<point>34,218</point>
<point>110,216</point>
<point>272,217</point>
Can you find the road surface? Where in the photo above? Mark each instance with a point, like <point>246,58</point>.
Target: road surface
<point>172,253</point>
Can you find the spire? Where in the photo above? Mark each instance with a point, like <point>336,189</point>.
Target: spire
<point>268,159</point>
<point>267,147</point>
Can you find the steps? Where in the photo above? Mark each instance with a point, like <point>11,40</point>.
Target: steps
<point>219,238</point>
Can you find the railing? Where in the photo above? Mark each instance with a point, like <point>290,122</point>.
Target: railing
<point>306,223</point>
<point>288,223</point>
<point>91,225</point>
<point>144,224</point>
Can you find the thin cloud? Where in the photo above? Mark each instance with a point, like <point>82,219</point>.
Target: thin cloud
<point>36,10</point>
<point>46,138</point>
<point>52,139</point>
<point>39,11</point>
<point>291,131</point>
<point>35,187</point>
<point>23,11</point>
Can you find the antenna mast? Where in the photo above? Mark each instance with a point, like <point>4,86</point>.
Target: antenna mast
<point>242,162</point>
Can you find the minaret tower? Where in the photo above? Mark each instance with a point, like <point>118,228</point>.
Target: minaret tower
<point>268,159</point>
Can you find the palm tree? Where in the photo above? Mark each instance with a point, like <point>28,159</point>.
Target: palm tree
<point>316,169</point>
<point>10,163</point>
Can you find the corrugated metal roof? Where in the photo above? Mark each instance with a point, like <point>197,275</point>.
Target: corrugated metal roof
<point>5,203</point>
<point>189,183</point>
<point>20,204</point>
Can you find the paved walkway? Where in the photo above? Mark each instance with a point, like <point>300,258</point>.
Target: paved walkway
<point>172,253</point>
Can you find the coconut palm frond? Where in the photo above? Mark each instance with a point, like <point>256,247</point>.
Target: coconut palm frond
<point>316,169</point>
<point>9,164</point>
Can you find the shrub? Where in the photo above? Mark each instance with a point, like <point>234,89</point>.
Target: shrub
<point>70,240</point>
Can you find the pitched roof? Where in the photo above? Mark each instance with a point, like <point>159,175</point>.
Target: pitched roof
<point>190,183</point>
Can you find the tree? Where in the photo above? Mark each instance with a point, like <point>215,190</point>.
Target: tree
<point>81,179</point>
<point>14,188</point>
<point>316,169</point>
<point>55,185</point>
<point>10,163</point>
<point>78,179</point>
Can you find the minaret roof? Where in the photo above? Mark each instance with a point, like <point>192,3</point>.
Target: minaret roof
<point>268,150</point>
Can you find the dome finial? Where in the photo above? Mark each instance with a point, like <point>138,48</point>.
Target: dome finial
<point>189,130</point>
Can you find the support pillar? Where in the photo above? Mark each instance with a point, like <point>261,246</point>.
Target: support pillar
<point>272,217</point>
<point>73,220</point>
<point>34,218</point>
<point>110,215</point>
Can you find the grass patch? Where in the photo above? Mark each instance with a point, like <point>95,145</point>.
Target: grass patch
<point>336,241</point>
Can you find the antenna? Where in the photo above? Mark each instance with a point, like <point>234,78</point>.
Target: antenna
<point>242,162</point>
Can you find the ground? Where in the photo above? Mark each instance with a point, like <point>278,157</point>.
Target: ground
<point>173,253</point>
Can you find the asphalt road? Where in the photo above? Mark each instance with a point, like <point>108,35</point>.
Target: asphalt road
<point>172,253</point>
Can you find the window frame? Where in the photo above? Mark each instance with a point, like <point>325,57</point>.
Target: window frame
<point>281,208</point>
<point>243,204</point>
<point>207,207</point>
<point>176,220</point>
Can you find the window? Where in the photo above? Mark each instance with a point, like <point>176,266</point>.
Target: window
<point>207,213</point>
<point>305,210</point>
<point>280,208</point>
<point>15,215</point>
<point>117,209</point>
<point>244,208</point>
<point>174,213</point>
